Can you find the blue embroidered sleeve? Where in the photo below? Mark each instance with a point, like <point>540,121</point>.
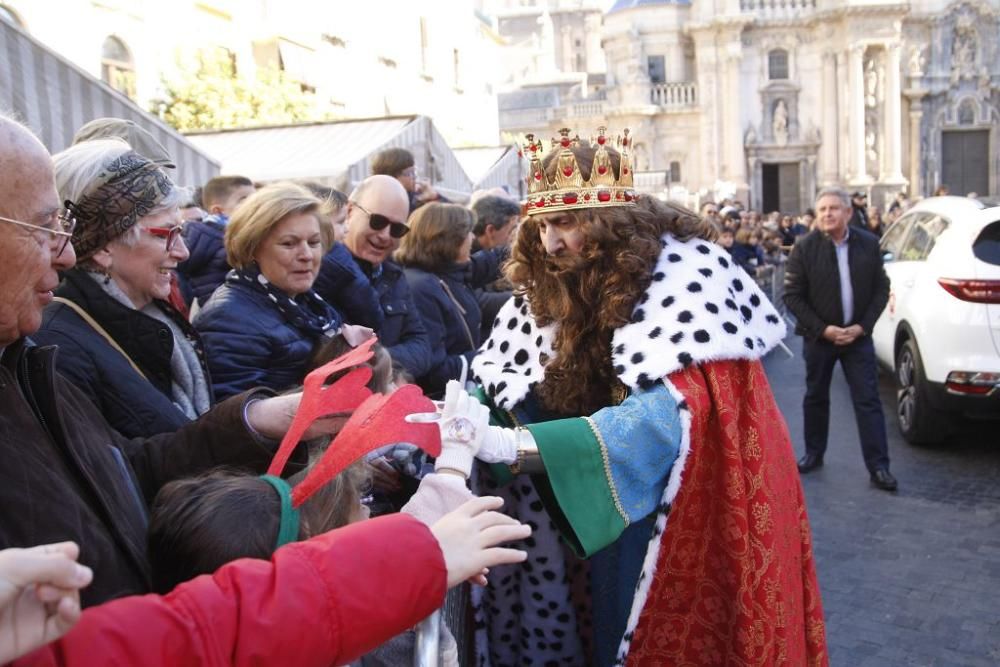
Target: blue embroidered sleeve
<point>642,437</point>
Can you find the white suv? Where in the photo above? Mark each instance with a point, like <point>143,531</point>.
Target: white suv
<point>940,331</point>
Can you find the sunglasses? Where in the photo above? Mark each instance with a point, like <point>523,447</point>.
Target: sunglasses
<point>171,234</point>
<point>378,222</point>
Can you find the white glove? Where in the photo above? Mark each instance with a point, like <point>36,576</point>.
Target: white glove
<point>500,445</point>
<point>463,424</point>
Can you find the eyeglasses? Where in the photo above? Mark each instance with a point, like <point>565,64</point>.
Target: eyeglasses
<point>378,222</point>
<point>410,172</point>
<point>171,234</point>
<point>63,217</point>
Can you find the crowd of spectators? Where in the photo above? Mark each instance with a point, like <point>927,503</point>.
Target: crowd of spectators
<point>144,333</point>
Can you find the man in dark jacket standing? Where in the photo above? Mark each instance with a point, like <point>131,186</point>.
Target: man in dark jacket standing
<point>859,210</point>
<point>376,219</point>
<point>67,475</point>
<point>836,287</point>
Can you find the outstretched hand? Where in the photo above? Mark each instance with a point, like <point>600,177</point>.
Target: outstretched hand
<point>39,596</point>
<point>469,535</point>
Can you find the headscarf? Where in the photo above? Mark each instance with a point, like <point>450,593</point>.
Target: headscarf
<point>127,189</point>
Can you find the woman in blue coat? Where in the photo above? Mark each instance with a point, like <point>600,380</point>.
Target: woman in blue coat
<point>435,255</point>
<point>260,326</point>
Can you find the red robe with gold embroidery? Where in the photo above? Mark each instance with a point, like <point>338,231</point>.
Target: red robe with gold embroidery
<point>734,581</point>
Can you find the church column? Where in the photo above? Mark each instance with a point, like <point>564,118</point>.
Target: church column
<point>830,135</point>
<point>916,117</point>
<point>856,118</point>
<point>735,167</point>
<point>892,165</point>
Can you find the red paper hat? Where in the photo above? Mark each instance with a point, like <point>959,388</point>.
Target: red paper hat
<point>376,420</point>
<point>380,421</point>
<point>317,401</point>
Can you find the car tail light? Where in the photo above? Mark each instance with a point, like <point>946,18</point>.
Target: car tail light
<point>979,291</point>
<point>971,382</point>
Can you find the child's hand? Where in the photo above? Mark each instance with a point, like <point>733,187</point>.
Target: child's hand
<point>469,536</point>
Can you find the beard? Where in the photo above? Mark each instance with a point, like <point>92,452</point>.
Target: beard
<point>566,264</point>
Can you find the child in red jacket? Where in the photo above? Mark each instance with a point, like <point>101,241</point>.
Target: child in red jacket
<point>312,604</point>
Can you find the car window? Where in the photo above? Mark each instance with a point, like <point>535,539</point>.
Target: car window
<point>892,240</point>
<point>924,231</point>
<point>987,245</point>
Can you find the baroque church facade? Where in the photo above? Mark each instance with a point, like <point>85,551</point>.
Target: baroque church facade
<point>770,100</point>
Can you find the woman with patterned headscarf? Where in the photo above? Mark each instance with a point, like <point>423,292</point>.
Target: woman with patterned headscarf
<point>119,339</point>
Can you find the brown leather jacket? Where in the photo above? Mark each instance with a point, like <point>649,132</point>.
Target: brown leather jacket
<point>67,475</point>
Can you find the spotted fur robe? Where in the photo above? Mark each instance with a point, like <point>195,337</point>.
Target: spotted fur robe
<point>699,450</point>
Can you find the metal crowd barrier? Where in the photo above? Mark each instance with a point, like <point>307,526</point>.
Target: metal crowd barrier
<point>456,615</point>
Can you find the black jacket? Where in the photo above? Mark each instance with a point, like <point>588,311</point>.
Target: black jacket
<point>342,284</point>
<point>133,405</point>
<point>812,283</point>
<point>67,475</point>
<point>451,316</point>
<point>402,331</point>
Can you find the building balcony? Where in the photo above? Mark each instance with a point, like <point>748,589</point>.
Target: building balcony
<point>683,95</point>
<point>777,10</point>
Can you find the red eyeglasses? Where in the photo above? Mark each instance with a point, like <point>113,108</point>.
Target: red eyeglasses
<point>171,234</point>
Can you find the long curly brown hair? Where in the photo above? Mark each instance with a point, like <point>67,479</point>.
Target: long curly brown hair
<point>594,293</point>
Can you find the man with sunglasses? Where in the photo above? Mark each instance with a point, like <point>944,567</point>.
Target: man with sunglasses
<point>376,220</point>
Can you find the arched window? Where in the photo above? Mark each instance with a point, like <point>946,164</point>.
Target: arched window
<point>7,14</point>
<point>777,64</point>
<point>117,66</point>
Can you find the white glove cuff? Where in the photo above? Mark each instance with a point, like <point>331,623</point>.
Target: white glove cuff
<point>456,457</point>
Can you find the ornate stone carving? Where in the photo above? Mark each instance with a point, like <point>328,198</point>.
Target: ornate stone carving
<point>874,94</point>
<point>916,63</point>
<point>964,49</point>
<point>779,124</point>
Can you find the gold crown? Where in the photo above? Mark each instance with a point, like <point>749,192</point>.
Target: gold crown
<point>567,190</point>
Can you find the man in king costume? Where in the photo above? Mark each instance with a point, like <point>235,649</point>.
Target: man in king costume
<point>635,422</point>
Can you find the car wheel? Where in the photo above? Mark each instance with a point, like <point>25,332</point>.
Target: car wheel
<point>918,422</point>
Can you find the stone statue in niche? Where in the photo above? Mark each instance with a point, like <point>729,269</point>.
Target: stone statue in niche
<point>871,82</point>
<point>779,123</point>
<point>873,97</point>
<point>964,47</point>
<point>750,138</point>
<point>917,61</point>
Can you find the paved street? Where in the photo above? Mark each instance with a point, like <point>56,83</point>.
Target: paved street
<point>911,578</point>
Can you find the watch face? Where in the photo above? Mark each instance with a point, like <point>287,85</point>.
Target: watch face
<point>461,429</point>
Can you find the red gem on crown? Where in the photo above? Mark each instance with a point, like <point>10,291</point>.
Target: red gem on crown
<point>624,170</point>
<point>538,175</point>
<point>586,197</point>
<point>601,139</point>
<point>565,142</point>
<point>541,202</point>
<point>628,196</point>
<point>569,198</point>
<point>602,169</point>
<point>567,171</point>
<point>603,195</point>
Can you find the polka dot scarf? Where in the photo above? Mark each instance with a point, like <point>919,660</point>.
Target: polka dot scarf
<point>307,312</point>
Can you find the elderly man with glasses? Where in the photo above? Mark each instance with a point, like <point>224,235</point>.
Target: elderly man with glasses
<point>67,474</point>
<point>376,220</point>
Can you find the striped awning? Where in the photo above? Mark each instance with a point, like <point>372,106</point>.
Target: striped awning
<point>55,98</point>
<point>337,153</point>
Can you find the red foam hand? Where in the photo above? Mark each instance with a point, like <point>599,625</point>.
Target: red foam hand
<point>317,401</point>
<point>380,421</point>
